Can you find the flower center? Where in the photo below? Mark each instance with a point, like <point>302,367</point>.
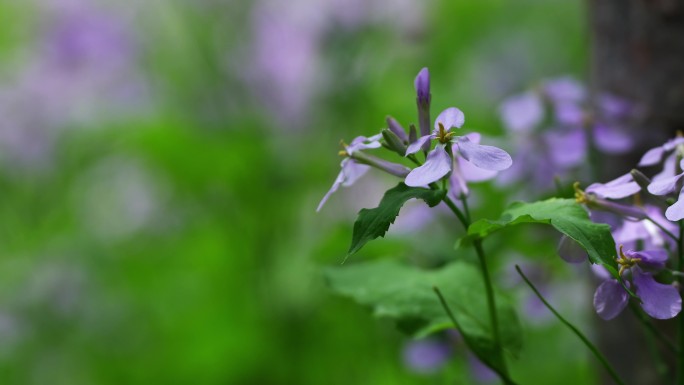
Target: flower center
<point>444,136</point>
<point>625,262</point>
<point>343,152</point>
<point>580,196</point>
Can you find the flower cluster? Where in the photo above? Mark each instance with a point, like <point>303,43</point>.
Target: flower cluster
<point>553,127</point>
<point>648,232</point>
<point>461,159</point>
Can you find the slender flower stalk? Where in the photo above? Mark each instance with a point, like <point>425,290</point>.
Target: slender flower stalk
<point>489,289</point>
<point>578,333</point>
<point>504,374</point>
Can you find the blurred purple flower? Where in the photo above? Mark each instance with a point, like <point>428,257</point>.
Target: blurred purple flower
<point>522,113</point>
<point>481,372</point>
<point>629,233</point>
<point>82,64</point>
<point>427,356</point>
<point>549,147</point>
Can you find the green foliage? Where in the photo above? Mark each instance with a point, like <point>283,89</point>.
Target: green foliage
<point>566,216</point>
<point>406,294</point>
<point>373,223</point>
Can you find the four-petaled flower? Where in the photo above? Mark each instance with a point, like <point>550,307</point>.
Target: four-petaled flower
<point>658,300</point>
<point>439,162</point>
<point>351,170</point>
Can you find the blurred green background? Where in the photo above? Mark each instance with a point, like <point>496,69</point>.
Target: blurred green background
<point>161,161</point>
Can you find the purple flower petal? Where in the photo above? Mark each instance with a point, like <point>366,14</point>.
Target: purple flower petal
<point>669,168</point>
<point>472,173</point>
<point>350,173</point>
<point>658,300</point>
<point>569,114</point>
<point>672,143</point>
<point>571,251</point>
<point>567,149</point>
<point>611,139</point>
<point>664,186</point>
<point>418,144</point>
<point>486,157</point>
<point>618,188</point>
<point>613,107</point>
<point>564,89</point>
<point>676,211</point>
<point>651,258</point>
<point>457,182</point>
<point>601,272</point>
<point>437,164</point>
<point>364,143</point>
<point>426,356</point>
<point>610,299</point>
<point>451,117</point>
<point>652,156</point>
<point>521,113</point>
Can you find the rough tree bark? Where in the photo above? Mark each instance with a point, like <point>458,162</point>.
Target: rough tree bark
<point>638,54</point>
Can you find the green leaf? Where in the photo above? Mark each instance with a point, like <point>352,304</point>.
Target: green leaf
<point>406,294</point>
<point>566,216</point>
<point>373,223</point>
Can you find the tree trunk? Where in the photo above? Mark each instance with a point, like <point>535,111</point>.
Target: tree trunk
<point>638,55</point>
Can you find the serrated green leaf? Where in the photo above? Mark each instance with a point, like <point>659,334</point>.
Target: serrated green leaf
<point>373,223</point>
<point>566,216</point>
<point>406,294</point>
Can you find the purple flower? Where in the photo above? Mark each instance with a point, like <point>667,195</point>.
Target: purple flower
<point>620,187</point>
<point>439,162</point>
<point>551,150</point>
<point>356,163</point>
<point>666,181</point>
<point>351,170</point>
<point>658,300</point>
<point>597,195</point>
<point>523,112</point>
<point>427,356</point>
<point>630,232</point>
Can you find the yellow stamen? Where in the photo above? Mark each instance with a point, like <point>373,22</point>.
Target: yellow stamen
<point>580,195</point>
<point>625,262</point>
<point>444,136</point>
<point>343,152</point>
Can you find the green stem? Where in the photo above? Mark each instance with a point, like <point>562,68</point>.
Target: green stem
<point>489,289</point>
<point>491,301</point>
<point>502,372</point>
<point>464,221</point>
<point>572,327</point>
<point>464,200</point>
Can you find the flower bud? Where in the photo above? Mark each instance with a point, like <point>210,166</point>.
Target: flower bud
<point>641,179</point>
<point>393,142</point>
<point>413,135</point>
<point>422,85</point>
<point>397,129</point>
